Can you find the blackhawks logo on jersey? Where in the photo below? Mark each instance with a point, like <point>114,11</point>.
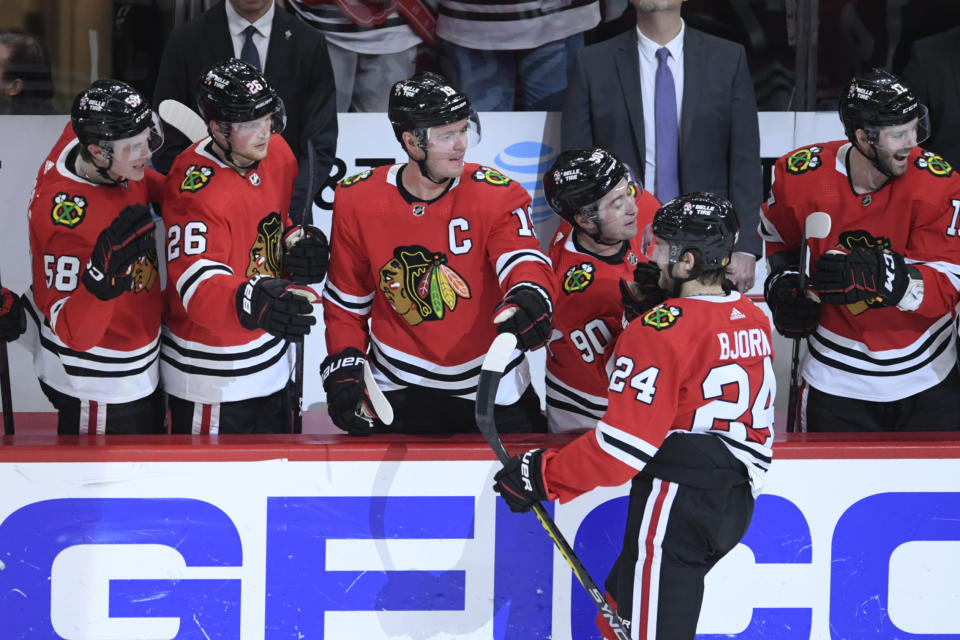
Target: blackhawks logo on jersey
<point>803,160</point>
<point>662,317</point>
<point>144,272</point>
<point>196,178</point>
<point>862,238</point>
<point>490,176</point>
<point>264,254</point>
<point>578,277</point>
<point>933,163</point>
<point>67,212</point>
<point>420,286</point>
<point>349,181</point>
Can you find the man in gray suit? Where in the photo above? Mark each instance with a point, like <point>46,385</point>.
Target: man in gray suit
<point>611,102</point>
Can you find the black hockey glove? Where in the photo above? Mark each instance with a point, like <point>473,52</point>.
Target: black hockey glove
<point>13,319</point>
<point>644,293</point>
<point>520,482</point>
<point>531,315</point>
<point>128,238</point>
<point>862,274</point>
<point>794,314</point>
<point>307,254</point>
<point>342,375</point>
<point>279,307</point>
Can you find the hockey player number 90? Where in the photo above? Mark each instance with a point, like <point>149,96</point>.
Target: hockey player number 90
<point>592,340</point>
<point>194,240</point>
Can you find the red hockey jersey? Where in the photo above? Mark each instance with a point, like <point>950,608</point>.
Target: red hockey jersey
<point>861,350</point>
<point>428,275</point>
<point>105,351</point>
<point>222,229</point>
<point>702,364</point>
<point>587,320</point>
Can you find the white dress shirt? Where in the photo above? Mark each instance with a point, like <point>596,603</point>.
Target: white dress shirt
<point>647,52</point>
<point>261,40</point>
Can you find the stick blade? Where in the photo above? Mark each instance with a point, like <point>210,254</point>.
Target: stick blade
<point>183,118</point>
<point>817,225</point>
<point>381,406</point>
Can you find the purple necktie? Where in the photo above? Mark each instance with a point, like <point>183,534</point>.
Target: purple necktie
<point>665,117</point>
<point>249,53</point>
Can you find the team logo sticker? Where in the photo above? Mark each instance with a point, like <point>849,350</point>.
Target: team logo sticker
<point>68,212</point>
<point>862,238</point>
<point>803,160</point>
<point>662,317</point>
<point>196,178</point>
<point>579,277</point>
<point>933,163</point>
<point>264,253</point>
<point>490,176</point>
<point>349,181</point>
<point>420,285</point>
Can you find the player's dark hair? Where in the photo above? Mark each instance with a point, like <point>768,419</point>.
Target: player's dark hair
<point>29,62</point>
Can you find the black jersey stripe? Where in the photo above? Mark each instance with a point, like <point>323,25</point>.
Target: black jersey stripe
<point>222,373</point>
<point>393,377</point>
<point>222,357</point>
<point>842,366</point>
<point>629,449</point>
<point>358,307</point>
<point>84,372</point>
<point>517,256</point>
<point>744,447</point>
<point>572,408</point>
<point>199,273</point>
<point>580,400</point>
<point>883,362</point>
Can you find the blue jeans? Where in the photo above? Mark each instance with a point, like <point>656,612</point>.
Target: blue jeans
<point>491,78</point>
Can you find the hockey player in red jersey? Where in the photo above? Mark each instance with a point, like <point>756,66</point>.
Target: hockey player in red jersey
<point>91,233</point>
<point>690,420</point>
<point>231,315</point>
<point>881,340</point>
<point>595,253</point>
<point>429,252</point>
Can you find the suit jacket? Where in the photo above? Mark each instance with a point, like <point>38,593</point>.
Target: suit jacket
<point>299,69</point>
<point>933,73</point>
<point>719,130</point>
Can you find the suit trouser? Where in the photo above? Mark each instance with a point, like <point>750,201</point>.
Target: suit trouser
<point>677,532</point>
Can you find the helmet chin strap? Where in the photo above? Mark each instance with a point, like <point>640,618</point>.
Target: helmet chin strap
<point>228,152</point>
<point>426,172</point>
<point>678,282</point>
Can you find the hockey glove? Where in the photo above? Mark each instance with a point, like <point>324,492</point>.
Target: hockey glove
<point>862,274</point>
<point>794,314</point>
<point>128,238</point>
<point>644,293</point>
<point>342,375</point>
<point>307,254</point>
<point>525,311</point>
<point>13,319</point>
<point>520,482</point>
<point>279,307</point>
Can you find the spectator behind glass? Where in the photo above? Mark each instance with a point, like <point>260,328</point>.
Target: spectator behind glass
<point>933,73</point>
<point>26,84</point>
<point>491,49</point>
<point>711,112</point>
<point>368,55</point>
<point>293,58</point>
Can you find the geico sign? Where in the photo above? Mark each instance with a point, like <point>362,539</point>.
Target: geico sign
<point>299,588</point>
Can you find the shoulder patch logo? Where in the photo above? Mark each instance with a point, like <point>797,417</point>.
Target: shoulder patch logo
<point>662,317</point>
<point>933,163</point>
<point>490,176</point>
<point>578,277</point>
<point>68,212</point>
<point>420,286</point>
<point>803,160</point>
<point>196,178</point>
<point>349,181</point>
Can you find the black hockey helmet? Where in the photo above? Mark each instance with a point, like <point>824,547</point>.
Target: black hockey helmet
<point>234,91</point>
<point>699,221</point>
<point>879,99</point>
<point>426,100</point>
<point>578,179</point>
<point>113,110</point>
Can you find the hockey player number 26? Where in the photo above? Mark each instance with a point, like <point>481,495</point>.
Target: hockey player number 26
<point>194,240</point>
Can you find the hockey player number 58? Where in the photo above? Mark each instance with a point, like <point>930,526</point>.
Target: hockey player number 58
<point>194,240</point>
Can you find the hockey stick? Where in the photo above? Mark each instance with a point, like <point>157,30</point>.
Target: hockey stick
<point>183,119</point>
<point>494,363</point>
<point>817,225</point>
<point>5,395</point>
<point>305,219</point>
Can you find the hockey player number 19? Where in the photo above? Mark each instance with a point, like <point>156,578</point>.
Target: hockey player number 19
<point>194,240</point>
